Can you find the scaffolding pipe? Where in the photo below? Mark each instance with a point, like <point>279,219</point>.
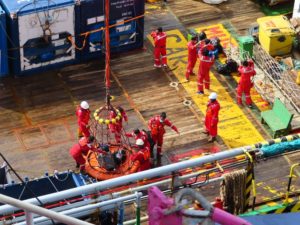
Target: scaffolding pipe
<point>181,178</point>
<point>138,209</point>
<point>88,212</point>
<point>146,174</point>
<point>132,190</point>
<point>70,212</point>
<point>29,209</point>
<point>123,180</point>
<point>28,218</point>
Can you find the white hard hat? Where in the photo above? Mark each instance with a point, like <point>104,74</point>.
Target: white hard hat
<point>84,105</point>
<point>213,96</point>
<point>139,142</point>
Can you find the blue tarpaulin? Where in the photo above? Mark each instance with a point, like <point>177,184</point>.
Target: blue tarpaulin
<point>274,219</point>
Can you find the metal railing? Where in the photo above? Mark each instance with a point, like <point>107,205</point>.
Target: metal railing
<point>120,181</point>
<point>90,208</point>
<point>177,185</point>
<point>123,180</point>
<point>30,209</point>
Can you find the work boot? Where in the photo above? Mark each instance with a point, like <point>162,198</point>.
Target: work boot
<point>239,103</point>
<point>205,132</point>
<point>211,139</point>
<point>157,66</point>
<point>192,74</point>
<point>77,165</point>
<point>200,92</point>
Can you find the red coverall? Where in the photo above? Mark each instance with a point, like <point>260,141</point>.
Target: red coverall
<point>118,126</point>
<point>79,149</point>
<point>203,73</point>
<point>160,41</point>
<point>143,156</point>
<point>192,58</point>
<point>209,47</point>
<point>142,135</point>
<point>83,117</point>
<point>212,118</point>
<point>157,130</point>
<point>245,83</point>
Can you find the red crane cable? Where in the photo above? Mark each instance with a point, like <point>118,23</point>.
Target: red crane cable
<point>107,48</point>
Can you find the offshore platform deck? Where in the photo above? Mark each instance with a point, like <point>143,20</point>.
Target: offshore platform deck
<point>37,118</point>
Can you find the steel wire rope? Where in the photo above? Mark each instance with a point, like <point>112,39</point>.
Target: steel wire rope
<point>22,192</point>
<point>55,188</point>
<point>64,179</point>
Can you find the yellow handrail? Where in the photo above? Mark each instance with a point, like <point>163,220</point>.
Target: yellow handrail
<point>286,201</point>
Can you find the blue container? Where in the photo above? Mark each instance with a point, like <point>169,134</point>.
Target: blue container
<point>3,45</point>
<point>40,34</point>
<point>124,37</point>
<point>42,186</point>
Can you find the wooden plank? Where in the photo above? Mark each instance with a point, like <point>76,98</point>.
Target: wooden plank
<point>241,13</point>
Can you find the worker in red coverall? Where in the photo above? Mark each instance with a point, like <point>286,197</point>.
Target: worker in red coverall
<point>247,72</point>
<point>156,126</point>
<point>118,126</point>
<point>212,117</point>
<point>146,137</point>
<point>206,43</point>
<point>142,155</point>
<point>84,145</point>
<point>192,57</point>
<point>205,64</point>
<point>160,42</point>
<point>137,134</point>
<point>83,117</point>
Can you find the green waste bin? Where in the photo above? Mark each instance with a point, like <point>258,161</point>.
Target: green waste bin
<point>246,46</point>
<point>191,33</point>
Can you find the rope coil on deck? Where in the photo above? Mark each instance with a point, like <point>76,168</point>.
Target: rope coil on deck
<point>232,191</point>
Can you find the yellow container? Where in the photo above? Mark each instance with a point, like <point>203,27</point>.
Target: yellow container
<point>276,34</point>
